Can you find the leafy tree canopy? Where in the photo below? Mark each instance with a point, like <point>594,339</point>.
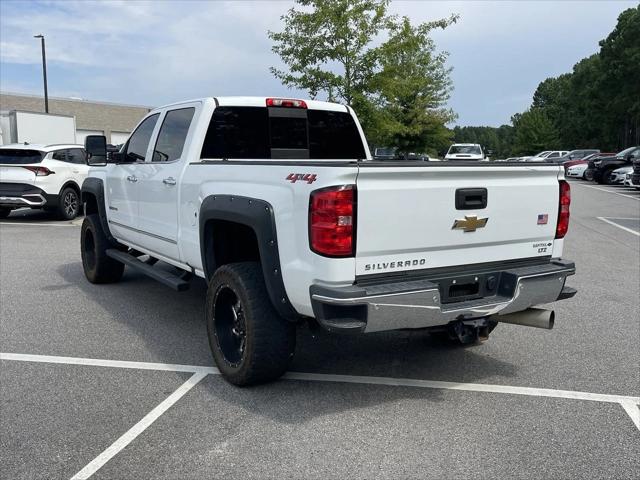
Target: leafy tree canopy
<point>387,69</point>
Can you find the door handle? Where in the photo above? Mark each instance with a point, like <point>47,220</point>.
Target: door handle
<point>132,178</point>
<point>169,181</point>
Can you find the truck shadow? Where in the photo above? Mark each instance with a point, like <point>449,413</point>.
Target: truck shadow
<point>171,327</point>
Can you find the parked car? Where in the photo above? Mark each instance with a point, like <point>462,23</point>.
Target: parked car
<point>575,155</point>
<point>384,153</point>
<point>465,151</point>
<point>619,174</point>
<point>274,203</point>
<point>586,159</point>
<point>548,156</point>
<point>635,176</point>
<point>422,157</point>
<point>576,171</point>
<point>45,177</point>
<point>602,168</point>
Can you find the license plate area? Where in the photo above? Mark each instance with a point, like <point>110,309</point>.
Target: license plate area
<point>468,287</point>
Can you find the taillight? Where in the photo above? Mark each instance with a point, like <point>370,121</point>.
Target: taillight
<point>40,171</point>
<point>563,209</point>
<point>332,213</point>
<point>286,102</point>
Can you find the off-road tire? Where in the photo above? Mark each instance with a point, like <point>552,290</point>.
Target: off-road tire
<point>268,343</point>
<point>98,267</point>
<point>69,204</point>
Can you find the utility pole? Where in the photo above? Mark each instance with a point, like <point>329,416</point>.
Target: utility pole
<point>44,72</point>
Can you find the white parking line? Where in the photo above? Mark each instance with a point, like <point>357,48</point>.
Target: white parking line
<point>633,409</point>
<point>624,400</point>
<point>608,191</point>
<point>468,387</point>
<point>637,234</point>
<point>130,435</point>
<point>98,362</point>
<point>30,224</point>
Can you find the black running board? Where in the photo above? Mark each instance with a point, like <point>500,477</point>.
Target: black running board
<point>176,282</point>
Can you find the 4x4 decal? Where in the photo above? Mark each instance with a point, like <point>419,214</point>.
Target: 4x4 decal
<point>303,177</point>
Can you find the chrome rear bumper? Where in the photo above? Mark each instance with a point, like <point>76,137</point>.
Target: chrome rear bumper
<point>417,303</point>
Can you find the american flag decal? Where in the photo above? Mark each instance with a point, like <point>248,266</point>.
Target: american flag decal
<point>543,218</point>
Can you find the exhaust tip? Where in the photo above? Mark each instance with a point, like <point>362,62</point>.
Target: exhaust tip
<point>552,319</point>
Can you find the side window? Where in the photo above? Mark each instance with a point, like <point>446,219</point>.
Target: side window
<point>60,155</point>
<point>554,155</point>
<point>173,134</point>
<point>139,140</point>
<point>77,155</point>
<point>334,135</point>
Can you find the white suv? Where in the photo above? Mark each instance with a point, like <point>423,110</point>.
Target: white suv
<point>42,176</point>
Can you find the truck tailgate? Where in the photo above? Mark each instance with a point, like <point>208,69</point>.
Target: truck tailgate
<point>407,217</point>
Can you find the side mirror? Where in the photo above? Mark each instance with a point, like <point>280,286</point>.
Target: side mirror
<point>96,148</point>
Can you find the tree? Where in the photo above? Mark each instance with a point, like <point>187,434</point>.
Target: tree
<point>328,48</point>
<point>332,49</point>
<point>412,88</point>
<point>598,103</point>
<point>534,132</point>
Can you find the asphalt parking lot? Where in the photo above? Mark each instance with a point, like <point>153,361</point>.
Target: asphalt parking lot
<point>115,381</point>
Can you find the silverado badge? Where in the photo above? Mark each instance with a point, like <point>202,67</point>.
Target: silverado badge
<point>469,223</point>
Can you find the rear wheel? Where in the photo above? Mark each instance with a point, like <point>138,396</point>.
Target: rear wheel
<point>607,177</point>
<point>250,342</point>
<point>4,212</point>
<point>588,175</point>
<point>98,267</point>
<point>68,204</point>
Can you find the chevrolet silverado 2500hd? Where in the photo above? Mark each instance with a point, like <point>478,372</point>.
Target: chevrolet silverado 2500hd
<point>277,204</point>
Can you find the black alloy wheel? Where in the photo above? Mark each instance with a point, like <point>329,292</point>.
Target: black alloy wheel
<point>230,328</point>
<point>69,204</point>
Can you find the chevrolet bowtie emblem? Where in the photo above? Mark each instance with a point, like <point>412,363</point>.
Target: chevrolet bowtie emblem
<point>469,223</point>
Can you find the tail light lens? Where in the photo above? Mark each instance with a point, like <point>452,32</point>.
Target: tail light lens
<point>332,221</point>
<point>563,209</point>
<point>40,171</point>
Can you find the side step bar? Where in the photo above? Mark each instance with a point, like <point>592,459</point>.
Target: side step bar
<point>176,282</point>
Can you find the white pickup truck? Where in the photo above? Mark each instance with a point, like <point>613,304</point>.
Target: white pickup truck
<point>278,205</point>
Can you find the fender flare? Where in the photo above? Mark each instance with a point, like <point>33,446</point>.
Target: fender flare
<point>95,187</point>
<point>258,215</point>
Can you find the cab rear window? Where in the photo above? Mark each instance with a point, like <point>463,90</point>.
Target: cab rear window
<point>278,133</point>
<point>10,156</point>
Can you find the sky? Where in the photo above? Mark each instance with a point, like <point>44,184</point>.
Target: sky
<point>153,53</point>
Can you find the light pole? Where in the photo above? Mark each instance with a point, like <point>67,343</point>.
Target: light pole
<point>44,73</point>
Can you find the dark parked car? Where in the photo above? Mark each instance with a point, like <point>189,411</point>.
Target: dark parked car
<point>586,159</point>
<point>600,169</point>
<point>574,155</point>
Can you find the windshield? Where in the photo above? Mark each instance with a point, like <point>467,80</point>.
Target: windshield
<point>465,149</point>
<point>15,156</point>
<point>625,152</point>
<point>543,154</point>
